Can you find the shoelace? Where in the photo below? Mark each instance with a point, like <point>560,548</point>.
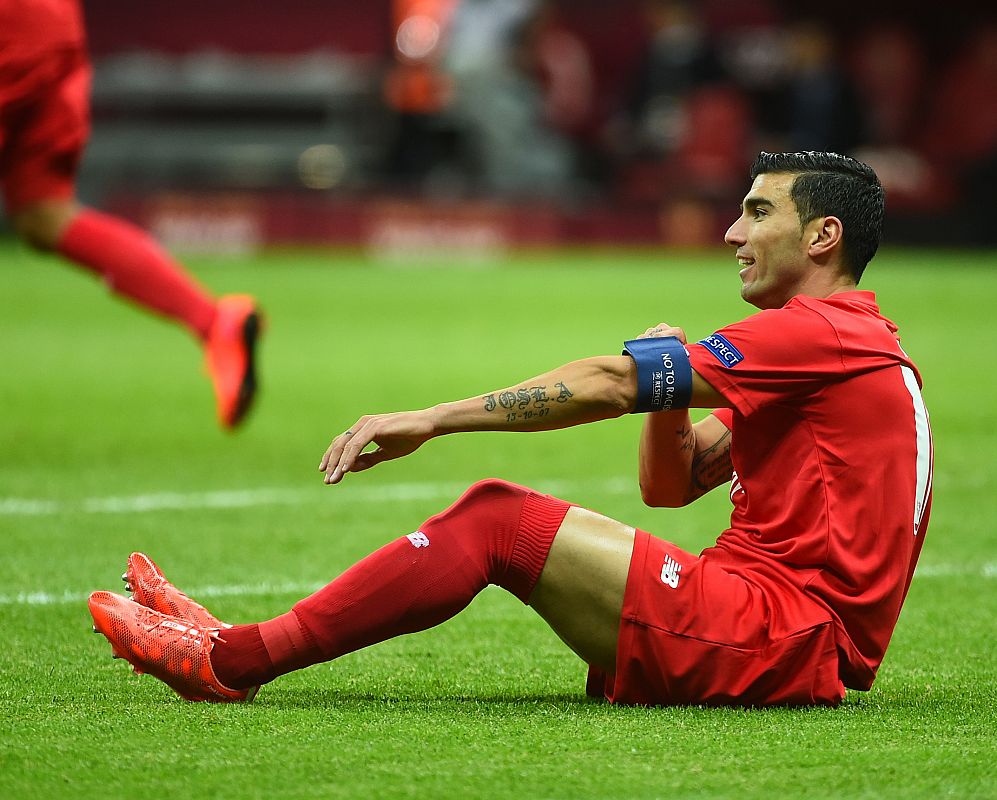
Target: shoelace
<point>154,622</point>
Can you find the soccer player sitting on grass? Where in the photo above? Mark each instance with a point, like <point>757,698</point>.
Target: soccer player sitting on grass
<point>44,126</point>
<point>819,427</point>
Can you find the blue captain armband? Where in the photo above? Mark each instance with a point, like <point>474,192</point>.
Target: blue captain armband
<point>664,375</point>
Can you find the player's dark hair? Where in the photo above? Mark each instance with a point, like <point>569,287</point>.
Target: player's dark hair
<point>832,185</point>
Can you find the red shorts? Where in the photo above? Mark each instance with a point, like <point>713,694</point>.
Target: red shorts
<point>44,124</point>
<point>693,632</point>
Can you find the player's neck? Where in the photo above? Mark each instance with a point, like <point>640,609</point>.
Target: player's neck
<point>825,282</point>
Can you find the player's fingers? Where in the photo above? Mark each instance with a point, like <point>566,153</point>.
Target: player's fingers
<point>664,329</point>
<point>326,456</point>
<point>343,448</point>
<point>361,462</point>
<point>333,449</point>
<point>352,447</point>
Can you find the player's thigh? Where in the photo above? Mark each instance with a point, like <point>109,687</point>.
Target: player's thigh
<point>580,591</point>
<point>44,140</point>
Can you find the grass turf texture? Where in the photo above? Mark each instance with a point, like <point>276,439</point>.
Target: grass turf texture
<point>101,402</point>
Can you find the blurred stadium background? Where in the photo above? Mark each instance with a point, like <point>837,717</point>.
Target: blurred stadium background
<point>472,126</point>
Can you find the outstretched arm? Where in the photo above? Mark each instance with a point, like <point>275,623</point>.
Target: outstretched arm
<point>582,391</point>
<point>602,387</point>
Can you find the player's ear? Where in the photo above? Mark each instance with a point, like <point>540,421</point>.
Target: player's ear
<point>825,235</point>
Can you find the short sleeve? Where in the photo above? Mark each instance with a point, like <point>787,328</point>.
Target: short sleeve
<point>725,416</point>
<point>770,357</point>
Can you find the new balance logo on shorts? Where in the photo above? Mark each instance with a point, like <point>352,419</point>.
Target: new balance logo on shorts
<point>735,485</point>
<point>670,572</point>
<point>418,539</point>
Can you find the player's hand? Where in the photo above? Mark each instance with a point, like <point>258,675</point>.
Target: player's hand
<point>395,435</point>
<point>664,329</point>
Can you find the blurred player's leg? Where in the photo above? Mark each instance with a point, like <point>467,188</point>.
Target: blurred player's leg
<point>136,267</point>
<point>128,259</point>
<point>45,127</point>
<point>42,147</point>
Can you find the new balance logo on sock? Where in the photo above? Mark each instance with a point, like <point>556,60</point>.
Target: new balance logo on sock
<point>670,572</point>
<point>418,539</point>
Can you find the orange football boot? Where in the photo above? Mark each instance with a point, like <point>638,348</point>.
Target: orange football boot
<point>149,587</point>
<point>230,356</point>
<point>166,647</point>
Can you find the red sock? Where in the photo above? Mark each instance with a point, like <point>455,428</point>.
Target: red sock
<point>497,532</point>
<point>134,265</point>
<point>246,654</point>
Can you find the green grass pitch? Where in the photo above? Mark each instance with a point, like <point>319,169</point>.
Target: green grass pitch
<point>108,444</point>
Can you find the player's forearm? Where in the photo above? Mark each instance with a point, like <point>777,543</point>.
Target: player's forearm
<point>680,462</point>
<point>667,448</point>
<point>582,391</point>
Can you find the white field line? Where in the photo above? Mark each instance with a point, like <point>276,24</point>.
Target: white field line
<point>300,588</point>
<point>263,496</point>
<point>987,571</point>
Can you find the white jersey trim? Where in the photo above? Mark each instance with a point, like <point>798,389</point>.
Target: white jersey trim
<point>924,453</point>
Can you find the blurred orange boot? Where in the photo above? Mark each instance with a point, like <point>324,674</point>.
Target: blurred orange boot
<point>230,355</point>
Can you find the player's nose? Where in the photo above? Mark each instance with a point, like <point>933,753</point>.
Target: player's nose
<point>735,234</point>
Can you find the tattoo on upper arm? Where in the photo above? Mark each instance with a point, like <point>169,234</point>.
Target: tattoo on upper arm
<point>527,402</point>
<point>711,467</point>
<point>688,437</point>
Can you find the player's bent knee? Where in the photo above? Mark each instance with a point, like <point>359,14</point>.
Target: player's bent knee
<point>490,493</point>
<point>493,490</point>
<point>33,233</point>
<point>484,505</point>
<point>42,225</point>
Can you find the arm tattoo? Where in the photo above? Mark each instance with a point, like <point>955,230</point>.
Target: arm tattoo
<point>685,433</point>
<point>527,402</point>
<point>711,467</point>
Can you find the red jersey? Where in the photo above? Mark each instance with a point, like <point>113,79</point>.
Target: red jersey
<point>38,26</point>
<point>832,464</point>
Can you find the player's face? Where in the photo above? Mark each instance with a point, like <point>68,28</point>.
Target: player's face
<point>770,244</point>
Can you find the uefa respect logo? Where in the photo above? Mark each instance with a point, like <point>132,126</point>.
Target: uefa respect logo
<point>722,350</point>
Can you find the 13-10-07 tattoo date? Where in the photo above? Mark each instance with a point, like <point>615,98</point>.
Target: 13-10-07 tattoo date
<point>528,402</point>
